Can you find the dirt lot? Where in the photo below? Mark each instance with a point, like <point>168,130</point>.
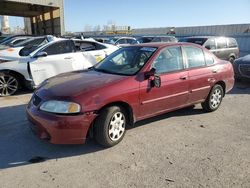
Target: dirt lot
<point>186,148</point>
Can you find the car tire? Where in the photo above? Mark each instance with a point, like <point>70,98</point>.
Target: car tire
<point>231,59</point>
<point>9,84</point>
<point>110,126</point>
<point>214,99</point>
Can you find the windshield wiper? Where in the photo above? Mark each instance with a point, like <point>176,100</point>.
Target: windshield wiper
<point>103,70</point>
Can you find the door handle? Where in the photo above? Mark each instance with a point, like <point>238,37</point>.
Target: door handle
<point>68,58</point>
<point>183,77</point>
<point>214,71</point>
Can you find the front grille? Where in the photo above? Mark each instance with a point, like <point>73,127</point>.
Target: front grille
<point>244,70</point>
<point>36,100</point>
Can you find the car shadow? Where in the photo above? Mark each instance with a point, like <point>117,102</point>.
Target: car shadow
<point>188,111</point>
<point>19,146</point>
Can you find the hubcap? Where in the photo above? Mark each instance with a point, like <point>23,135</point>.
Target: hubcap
<point>116,126</point>
<point>8,85</point>
<point>216,98</point>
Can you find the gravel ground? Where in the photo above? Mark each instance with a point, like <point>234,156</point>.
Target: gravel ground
<point>186,148</point>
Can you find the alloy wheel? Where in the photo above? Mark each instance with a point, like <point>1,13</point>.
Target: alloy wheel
<point>216,98</point>
<point>117,126</point>
<point>8,85</point>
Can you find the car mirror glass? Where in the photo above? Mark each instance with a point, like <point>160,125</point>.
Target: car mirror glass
<point>157,81</point>
<point>208,47</point>
<point>40,54</point>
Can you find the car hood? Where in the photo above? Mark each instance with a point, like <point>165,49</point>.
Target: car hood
<point>76,83</point>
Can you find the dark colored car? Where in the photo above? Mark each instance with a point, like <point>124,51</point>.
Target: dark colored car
<point>131,84</point>
<point>145,39</point>
<point>223,47</point>
<point>242,67</point>
<point>123,41</point>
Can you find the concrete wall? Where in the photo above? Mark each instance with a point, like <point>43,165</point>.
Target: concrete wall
<point>45,16</point>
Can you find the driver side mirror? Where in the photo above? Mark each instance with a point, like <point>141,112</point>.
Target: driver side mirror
<point>208,47</point>
<point>150,73</point>
<point>156,81</point>
<point>40,54</point>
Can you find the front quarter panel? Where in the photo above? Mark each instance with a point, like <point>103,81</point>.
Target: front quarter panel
<point>17,66</point>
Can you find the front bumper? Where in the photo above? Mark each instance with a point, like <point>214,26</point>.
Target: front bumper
<point>59,129</point>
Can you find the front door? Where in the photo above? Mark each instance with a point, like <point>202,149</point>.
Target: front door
<point>59,59</point>
<point>201,76</point>
<point>173,92</point>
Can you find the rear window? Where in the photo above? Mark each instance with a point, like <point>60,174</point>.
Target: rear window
<point>232,43</point>
<point>221,43</point>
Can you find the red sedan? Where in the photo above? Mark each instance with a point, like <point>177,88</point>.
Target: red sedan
<point>131,84</point>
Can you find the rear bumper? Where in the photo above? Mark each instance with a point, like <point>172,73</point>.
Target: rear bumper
<point>229,84</point>
<point>59,129</point>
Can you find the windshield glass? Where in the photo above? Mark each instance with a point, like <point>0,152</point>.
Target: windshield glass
<point>126,61</point>
<point>199,41</point>
<point>32,42</point>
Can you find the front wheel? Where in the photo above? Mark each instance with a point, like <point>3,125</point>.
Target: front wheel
<point>214,99</point>
<point>110,126</point>
<point>8,84</point>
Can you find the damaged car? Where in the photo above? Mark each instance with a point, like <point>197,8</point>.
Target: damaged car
<point>51,59</point>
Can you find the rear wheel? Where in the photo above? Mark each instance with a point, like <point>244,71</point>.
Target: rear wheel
<point>110,126</point>
<point>8,84</point>
<point>214,99</point>
<point>231,59</point>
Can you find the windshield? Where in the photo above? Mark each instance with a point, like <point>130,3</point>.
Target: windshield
<point>32,42</point>
<point>126,61</point>
<point>199,41</point>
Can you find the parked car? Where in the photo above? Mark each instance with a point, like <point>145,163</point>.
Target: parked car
<point>14,41</point>
<point>54,58</point>
<point>242,67</point>
<point>145,39</point>
<point>133,83</point>
<point>24,48</point>
<point>223,47</point>
<point>123,41</point>
<point>164,39</point>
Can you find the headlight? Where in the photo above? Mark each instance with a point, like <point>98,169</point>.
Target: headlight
<point>60,107</point>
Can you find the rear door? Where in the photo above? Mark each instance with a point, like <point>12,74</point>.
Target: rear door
<point>60,59</point>
<point>173,92</point>
<point>94,49</point>
<point>201,76</point>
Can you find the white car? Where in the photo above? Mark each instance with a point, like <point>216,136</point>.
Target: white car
<point>13,53</point>
<point>49,60</point>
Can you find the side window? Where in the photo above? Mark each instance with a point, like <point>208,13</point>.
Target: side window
<point>170,59</point>
<point>165,39</point>
<point>232,43</point>
<point>58,48</point>
<point>209,59</point>
<point>131,41</point>
<point>210,44</point>
<point>87,46</point>
<point>221,43</point>
<point>121,41</point>
<point>195,56</point>
<point>100,47</point>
